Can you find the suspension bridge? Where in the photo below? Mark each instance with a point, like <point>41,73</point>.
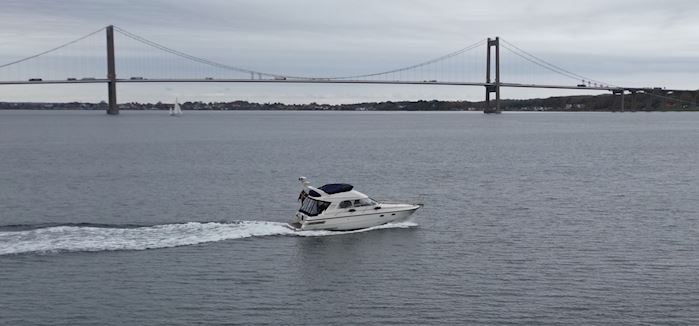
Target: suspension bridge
<point>85,61</point>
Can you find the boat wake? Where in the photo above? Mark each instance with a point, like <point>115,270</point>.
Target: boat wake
<point>100,237</point>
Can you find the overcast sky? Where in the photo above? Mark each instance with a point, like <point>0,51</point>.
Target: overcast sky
<point>623,42</point>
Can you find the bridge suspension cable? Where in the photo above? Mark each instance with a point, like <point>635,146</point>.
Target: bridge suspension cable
<point>277,75</point>
<point>547,65</point>
<point>189,56</point>
<point>53,49</point>
<point>422,64</point>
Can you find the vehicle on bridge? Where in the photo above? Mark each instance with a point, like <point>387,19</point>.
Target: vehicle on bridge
<point>70,78</point>
<point>137,78</point>
<point>35,79</point>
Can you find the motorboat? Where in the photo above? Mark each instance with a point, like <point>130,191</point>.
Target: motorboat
<point>338,207</point>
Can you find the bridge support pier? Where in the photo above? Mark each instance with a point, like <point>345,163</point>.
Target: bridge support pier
<point>112,109</point>
<point>620,93</point>
<point>622,100</point>
<point>490,86</point>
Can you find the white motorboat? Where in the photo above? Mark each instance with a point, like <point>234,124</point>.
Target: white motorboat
<point>338,207</point>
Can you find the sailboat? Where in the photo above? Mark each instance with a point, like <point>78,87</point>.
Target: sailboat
<point>176,110</point>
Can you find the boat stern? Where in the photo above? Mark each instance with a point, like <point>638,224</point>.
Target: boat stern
<point>296,222</point>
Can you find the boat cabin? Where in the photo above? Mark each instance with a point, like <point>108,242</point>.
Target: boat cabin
<point>314,201</point>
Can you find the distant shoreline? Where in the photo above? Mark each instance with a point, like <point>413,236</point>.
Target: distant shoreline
<point>678,101</point>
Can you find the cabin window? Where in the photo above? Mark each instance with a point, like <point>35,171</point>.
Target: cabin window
<point>364,202</point>
<point>313,207</point>
<point>346,204</point>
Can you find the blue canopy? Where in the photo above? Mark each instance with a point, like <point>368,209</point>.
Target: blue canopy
<point>335,188</point>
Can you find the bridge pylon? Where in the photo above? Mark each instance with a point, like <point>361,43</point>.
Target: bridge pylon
<point>492,87</point>
<point>112,109</point>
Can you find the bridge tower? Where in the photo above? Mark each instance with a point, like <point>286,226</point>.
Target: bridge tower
<point>491,87</point>
<point>112,109</point>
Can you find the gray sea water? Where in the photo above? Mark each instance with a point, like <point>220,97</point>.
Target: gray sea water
<point>529,219</point>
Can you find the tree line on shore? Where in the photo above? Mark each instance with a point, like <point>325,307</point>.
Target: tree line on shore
<point>660,101</point>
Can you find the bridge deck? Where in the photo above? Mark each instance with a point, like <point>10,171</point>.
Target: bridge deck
<point>312,81</point>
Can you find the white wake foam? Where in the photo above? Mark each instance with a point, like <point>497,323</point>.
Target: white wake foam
<point>89,238</point>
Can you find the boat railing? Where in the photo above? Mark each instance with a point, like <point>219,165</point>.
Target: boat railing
<point>391,201</point>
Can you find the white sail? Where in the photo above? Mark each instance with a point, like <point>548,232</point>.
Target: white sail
<point>176,110</point>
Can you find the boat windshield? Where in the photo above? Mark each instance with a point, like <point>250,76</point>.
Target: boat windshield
<point>313,207</point>
<point>364,202</point>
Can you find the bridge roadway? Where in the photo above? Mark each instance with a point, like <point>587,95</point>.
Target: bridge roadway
<point>339,81</point>
<point>312,81</point>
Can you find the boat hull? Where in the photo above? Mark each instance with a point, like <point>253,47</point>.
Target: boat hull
<point>353,221</point>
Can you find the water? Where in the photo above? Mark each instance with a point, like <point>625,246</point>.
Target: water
<point>538,218</point>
